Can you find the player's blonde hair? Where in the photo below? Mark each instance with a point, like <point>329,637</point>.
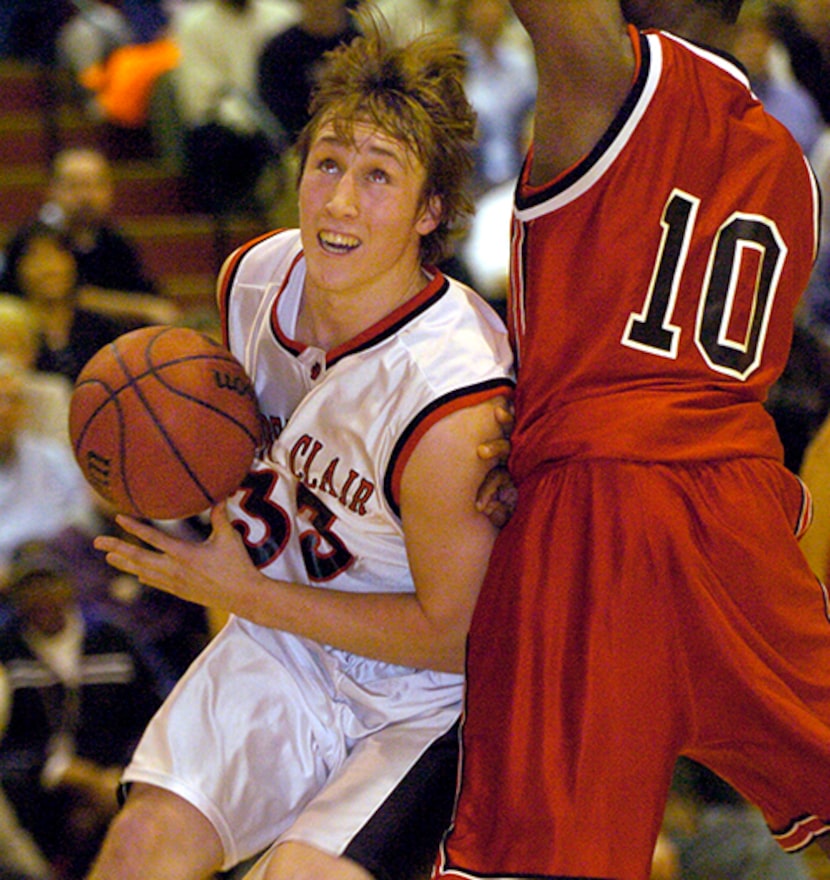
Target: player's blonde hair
<point>415,94</point>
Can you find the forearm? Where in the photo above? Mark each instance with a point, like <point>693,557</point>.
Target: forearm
<point>392,627</point>
<point>129,304</point>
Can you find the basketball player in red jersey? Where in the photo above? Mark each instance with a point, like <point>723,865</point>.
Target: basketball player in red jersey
<point>648,598</point>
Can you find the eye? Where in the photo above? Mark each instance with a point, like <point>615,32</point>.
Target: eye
<point>378,175</point>
<point>328,166</point>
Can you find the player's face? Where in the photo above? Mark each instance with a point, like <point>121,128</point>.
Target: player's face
<point>362,215</point>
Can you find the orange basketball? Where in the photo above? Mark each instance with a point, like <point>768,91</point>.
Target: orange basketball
<point>164,422</point>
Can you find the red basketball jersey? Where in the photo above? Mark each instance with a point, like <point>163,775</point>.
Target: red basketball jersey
<point>721,216</point>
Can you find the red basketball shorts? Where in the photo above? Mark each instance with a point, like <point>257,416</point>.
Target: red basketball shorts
<point>633,612</point>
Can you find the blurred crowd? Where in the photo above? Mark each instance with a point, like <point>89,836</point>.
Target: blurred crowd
<point>219,89</point>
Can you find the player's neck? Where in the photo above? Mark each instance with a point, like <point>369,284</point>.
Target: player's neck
<point>329,318</point>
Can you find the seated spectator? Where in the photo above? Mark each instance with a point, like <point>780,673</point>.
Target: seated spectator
<point>800,399</point>
<point>97,28</point>
<point>289,60</point>
<point>169,630</point>
<point>719,835</point>
<point>43,270</point>
<point>47,394</point>
<point>111,277</point>
<point>501,83</point>
<point>20,858</point>
<point>286,71</point>
<point>121,86</point>
<point>92,33</point>
<point>768,65</point>
<point>230,139</point>
<point>80,698</point>
<point>803,26</point>
<point>42,489</point>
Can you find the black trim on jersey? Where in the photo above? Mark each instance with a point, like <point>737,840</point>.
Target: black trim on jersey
<point>467,391</point>
<point>391,329</point>
<point>560,184</point>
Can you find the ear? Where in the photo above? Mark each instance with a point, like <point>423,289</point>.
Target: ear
<point>431,216</point>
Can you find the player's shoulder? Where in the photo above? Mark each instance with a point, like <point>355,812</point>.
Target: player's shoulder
<point>259,259</point>
<point>461,305</point>
<point>269,248</point>
<point>459,338</point>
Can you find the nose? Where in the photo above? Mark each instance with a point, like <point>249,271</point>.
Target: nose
<point>343,201</point>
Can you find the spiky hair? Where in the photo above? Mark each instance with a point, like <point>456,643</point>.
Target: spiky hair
<point>413,93</point>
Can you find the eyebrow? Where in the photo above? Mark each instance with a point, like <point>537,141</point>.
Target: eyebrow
<point>396,156</point>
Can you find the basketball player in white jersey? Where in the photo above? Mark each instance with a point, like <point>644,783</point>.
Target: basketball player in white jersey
<point>352,556</point>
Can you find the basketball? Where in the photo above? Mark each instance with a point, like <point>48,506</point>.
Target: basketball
<point>164,422</point>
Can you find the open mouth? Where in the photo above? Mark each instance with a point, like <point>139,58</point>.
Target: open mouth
<point>337,243</point>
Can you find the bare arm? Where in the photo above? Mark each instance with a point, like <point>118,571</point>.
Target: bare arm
<point>585,66</point>
<point>130,305</point>
<point>448,544</point>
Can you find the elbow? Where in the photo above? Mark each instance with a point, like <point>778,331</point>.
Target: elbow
<point>449,653</point>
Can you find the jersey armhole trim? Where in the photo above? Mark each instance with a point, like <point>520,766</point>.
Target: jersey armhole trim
<point>430,415</point>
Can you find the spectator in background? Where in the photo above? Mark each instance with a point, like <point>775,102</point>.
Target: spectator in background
<point>92,33</point>
<point>803,26</point>
<point>719,835</point>
<point>409,18</point>
<point>169,631</point>
<point>289,60</point>
<point>80,696</point>
<point>773,81</point>
<point>485,250</point>
<point>42,268</point>
<point>31,28</point>
<point>501,83</point>
<point>229,139</point>
<point>20,858</point>
<point>42,489</point>
<point>286,71</point>
<point>98,27</point>
<point>121,86</point>
<point>111,277</point>
<point>800,399</point>
<point>47,394</point>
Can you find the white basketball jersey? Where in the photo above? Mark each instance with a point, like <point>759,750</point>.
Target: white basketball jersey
<point>320,505</point>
